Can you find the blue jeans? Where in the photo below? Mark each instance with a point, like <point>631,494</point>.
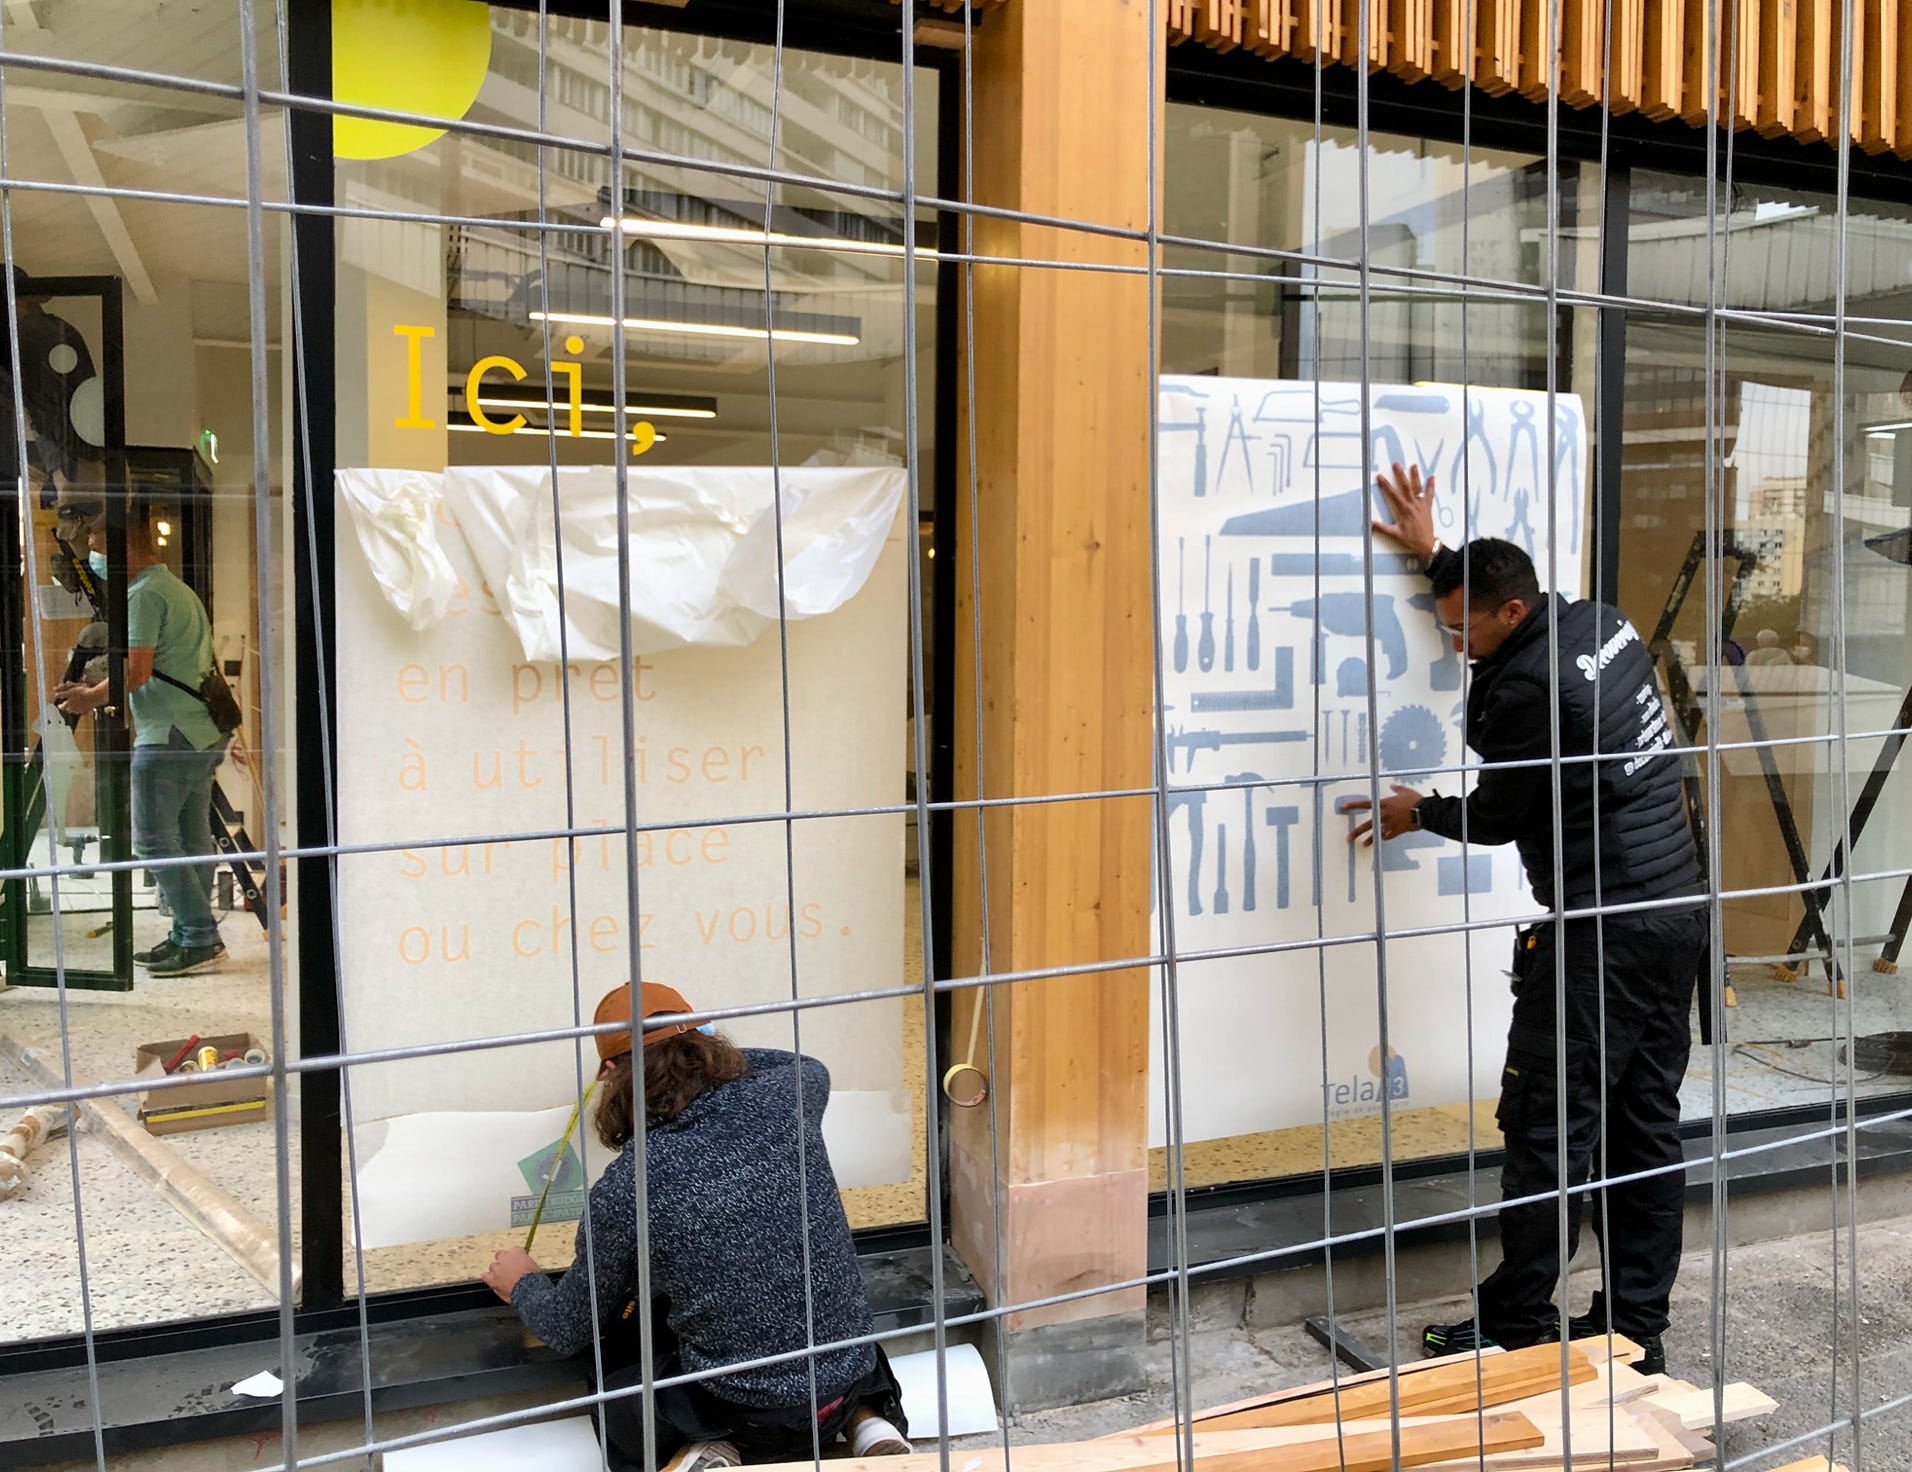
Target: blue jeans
<point>172,818</point>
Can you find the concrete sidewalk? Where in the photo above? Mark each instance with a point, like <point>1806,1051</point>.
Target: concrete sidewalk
<point>1783,1316</point>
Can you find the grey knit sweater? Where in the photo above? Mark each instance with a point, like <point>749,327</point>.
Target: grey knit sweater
<point>726,1244</point>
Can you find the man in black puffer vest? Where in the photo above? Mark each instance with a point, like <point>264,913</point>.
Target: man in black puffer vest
<point>1624,841</point>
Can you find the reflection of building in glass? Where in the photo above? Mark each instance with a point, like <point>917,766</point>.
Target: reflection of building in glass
<point>1775,533</point>
<point>700,303</point>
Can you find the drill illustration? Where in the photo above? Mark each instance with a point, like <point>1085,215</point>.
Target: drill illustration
<point>1346,614</point>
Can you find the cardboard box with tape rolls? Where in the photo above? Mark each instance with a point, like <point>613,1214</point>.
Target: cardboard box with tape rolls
<point>211,1099</point>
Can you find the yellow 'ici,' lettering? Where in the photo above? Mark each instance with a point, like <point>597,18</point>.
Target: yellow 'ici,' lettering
<point>475,378</point>
<point>413,333</point>
<point>642,435</point>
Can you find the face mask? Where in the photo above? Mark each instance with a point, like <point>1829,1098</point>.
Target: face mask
<point>97,561</point>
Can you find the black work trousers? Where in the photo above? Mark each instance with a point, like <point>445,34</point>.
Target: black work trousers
<point>693,1412</point>
<point>1642,967</point>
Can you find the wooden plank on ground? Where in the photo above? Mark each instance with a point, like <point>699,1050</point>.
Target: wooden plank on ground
<point>1600,1444</point>
<point>1318,1387</point>
<point>1604,1347</point>
<point>1463,1384</point>
<point>1593,1447</point>
<point>1677,1452</point>
<point>1289,1449</point>
<point>1694,1410</point>
<point>1448,1440</point>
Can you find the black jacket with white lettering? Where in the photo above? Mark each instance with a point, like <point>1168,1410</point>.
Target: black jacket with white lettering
<point>1632,820</point>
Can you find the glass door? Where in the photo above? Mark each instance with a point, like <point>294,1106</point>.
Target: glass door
<point>66,804</point>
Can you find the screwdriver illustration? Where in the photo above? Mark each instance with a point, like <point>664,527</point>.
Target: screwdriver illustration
<point>1181,606</point>
<point>1254,614</point>
<point>1228,624</point>
<point>1205,650</point>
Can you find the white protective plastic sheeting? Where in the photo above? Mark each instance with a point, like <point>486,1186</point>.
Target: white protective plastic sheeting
<point>395,514</point>
<point>703,550</point>
<point>569,1445</point>
<point>972,1403</point>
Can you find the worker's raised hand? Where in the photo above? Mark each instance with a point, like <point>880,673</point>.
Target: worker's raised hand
<point>1411,507</point>
<point>1396,815</point>
<point>507,1267</point>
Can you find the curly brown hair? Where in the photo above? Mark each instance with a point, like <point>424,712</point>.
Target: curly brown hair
<point>676,1072</point>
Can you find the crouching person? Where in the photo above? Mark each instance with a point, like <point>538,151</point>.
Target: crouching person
<point>728,1207</point>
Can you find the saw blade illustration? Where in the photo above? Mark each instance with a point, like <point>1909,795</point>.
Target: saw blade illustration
<point>1412,740</point>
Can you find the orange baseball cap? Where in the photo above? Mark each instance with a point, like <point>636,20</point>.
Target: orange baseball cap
<point>659,1001</point>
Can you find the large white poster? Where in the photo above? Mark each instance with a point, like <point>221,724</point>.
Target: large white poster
<point>450,733</point>
<point>1267,678</point>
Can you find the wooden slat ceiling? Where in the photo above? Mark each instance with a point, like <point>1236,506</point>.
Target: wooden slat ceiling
<point>1779,59</point>
<point>1778,72</point>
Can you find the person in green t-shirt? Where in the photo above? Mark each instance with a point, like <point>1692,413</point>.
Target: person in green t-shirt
<point>177,746</point>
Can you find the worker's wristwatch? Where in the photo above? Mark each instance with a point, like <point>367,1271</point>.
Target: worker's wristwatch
<point>1414,816</point>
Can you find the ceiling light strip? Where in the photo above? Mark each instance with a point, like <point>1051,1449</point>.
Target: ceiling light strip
<point>702,329</point>
<point>760,239</point>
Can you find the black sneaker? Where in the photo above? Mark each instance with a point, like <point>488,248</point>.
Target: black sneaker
<point>168,959</point>
<point>1652,1360</point>
<point>146,958</point>
<point>1466,1337</point>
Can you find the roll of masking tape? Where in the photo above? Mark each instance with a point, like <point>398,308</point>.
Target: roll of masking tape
<point>256,1055</point>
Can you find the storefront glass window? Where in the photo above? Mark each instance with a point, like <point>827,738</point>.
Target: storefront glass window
<point>144,392</point>
<point>1809,472</point>
<point>481,354</point>
<point>1454,326</point>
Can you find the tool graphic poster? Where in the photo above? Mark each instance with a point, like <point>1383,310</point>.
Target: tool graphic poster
<point>1265,640</point>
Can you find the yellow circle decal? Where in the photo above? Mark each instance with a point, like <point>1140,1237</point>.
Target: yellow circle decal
<point>422,56</point>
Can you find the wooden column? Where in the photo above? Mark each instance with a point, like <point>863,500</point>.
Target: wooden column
<point>1064,388</point>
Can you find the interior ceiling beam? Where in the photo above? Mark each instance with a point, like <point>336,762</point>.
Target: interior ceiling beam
<point>78,99</point>
<point>70,138</point>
